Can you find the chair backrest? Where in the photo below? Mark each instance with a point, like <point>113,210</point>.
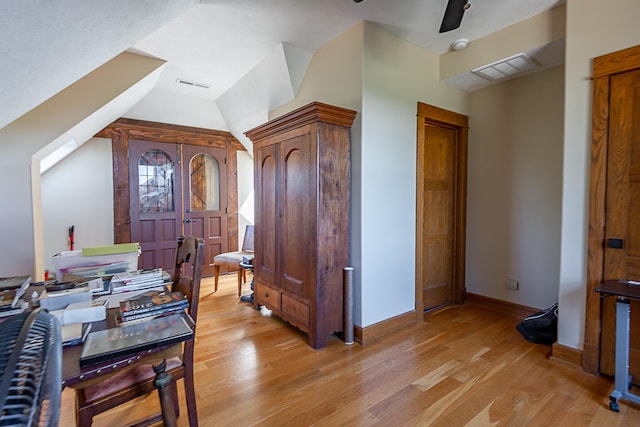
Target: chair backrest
<point>190,250</point>
<point>247,243</point>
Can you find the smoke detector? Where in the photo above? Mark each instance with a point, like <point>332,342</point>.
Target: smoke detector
<point>460,44</point>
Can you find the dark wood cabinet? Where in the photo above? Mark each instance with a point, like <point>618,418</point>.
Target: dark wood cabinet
<point>302,189</point>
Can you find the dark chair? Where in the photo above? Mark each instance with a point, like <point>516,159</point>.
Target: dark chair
<point>138,380</point>
<point>232,260</point>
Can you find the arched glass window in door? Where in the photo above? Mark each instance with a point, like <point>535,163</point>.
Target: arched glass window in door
<point>155,182</point>
<point>205,183</point>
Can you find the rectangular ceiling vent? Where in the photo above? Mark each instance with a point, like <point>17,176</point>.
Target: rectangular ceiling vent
<point>192,83</point>
<point>508,67</point>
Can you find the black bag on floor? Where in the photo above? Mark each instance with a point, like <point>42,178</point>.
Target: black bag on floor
<point>541,327</point>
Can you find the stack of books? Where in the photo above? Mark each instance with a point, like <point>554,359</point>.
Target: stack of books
<point>135,280</point>
<point>11,291</point>
<point>74,333</point>
<point>152,304</point>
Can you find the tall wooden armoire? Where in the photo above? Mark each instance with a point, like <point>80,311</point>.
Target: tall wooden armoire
<point>302,193</point>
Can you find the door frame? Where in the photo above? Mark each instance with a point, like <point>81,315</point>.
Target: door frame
<point>122,130</point>
<point>604,67</point>
<point>429,114</point>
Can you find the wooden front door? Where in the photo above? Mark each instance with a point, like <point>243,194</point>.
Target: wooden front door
<point>177,189</point>
<point>155,189</point>
<point>622,227</point>
<point>441,207</point>
<point>205,199</point>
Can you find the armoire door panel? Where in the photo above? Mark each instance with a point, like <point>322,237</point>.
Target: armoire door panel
<point>298,206</point>
<point>265,241</point>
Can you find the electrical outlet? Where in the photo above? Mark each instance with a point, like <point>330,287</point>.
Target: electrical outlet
<point>512,284</point>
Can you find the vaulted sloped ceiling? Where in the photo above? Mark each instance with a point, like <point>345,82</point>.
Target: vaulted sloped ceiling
<point>46,45</point>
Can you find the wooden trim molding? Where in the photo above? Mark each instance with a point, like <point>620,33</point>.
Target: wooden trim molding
<point>604,67</point>
<point>313,112</point>
<point>567,356</point>
<point>617,62</point>
<point>377,330</point>
<point>123,130</point>
<point>503,307</point>
<point>174,134</point>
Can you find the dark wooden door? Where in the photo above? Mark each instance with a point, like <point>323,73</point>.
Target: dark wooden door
<point>177,189</point>
<point>205,199</point>
<point>155,188</point>
<point>622,213</point>
<point>437,238</point>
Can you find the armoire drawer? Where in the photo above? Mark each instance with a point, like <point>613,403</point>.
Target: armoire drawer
<point>296,312</point>
<point>267,296</point>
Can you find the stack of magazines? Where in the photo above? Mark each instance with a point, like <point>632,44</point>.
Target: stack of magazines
<point>152,304</point>
<point>135,280</point>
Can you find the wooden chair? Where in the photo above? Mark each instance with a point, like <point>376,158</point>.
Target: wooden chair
<point>232,260</point>
<point>138,380</point>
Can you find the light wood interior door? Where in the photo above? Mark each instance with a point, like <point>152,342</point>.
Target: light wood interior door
<point>441,207</point>
<point>622,228</point>
<point>437,237</point>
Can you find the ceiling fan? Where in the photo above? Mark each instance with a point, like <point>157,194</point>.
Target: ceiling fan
<point>453,14</point>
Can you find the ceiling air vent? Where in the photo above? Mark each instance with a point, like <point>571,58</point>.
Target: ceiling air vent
<point>508,67</point>
<point>191,83</point>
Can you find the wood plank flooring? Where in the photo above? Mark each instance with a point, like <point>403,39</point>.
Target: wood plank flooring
<point>464,366</point>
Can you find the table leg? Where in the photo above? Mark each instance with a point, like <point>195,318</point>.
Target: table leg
<point>622,379</point>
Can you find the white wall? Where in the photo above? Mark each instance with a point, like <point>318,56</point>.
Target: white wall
<point>245,193</point>
<point>79,191</point>
<point>594,28</point>
<point>183,111</point>
<point>334,76</point>
<point>514,196</point>
<point>397,75</point>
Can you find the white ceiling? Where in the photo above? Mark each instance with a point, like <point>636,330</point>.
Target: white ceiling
<point>217,42</point>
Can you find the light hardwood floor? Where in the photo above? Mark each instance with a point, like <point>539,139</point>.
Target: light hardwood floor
<point>465,365</point>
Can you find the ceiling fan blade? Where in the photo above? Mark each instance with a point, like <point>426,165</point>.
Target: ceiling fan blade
<point>453,15</point>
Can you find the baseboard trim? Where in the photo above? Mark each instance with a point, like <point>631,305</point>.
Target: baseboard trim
<point>377,330</point>
<point>500,306</point>
<point>567,356</point>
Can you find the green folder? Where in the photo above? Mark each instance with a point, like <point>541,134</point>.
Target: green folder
<point>120,248</point>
